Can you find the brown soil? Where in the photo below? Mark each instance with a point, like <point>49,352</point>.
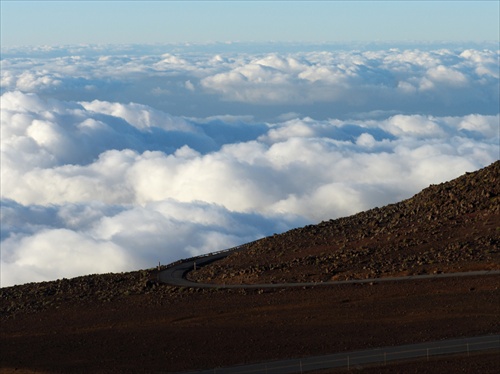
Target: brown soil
<point>127,323</point>
<point>171,330</point>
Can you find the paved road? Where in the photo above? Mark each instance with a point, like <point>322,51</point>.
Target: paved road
<point>355,359</point>
<point>176,275</point>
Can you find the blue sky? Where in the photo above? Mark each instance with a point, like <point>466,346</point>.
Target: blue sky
<point>110,22</point>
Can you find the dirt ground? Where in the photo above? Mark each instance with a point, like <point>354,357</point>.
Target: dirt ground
<point>192,329</point>
<point>127,323</point>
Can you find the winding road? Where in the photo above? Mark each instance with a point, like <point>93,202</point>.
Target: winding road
<point>175,275</point>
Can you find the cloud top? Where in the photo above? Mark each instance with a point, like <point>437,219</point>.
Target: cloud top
<point>95,182</point>
<point>330,84</point>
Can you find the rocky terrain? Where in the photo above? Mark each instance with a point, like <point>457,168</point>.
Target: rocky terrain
<point>129,323</point>
<point>102,288</point>
<point>450,227</point>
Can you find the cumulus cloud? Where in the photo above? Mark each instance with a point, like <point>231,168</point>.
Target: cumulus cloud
<point>57,253</point>
<point>328,83</point>
<point>48,242</point>
<point>90,184</point>
<point>360,79</point>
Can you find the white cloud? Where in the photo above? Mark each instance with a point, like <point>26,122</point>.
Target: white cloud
<point>38,80</point>
<point>414,126</point>
<point>243,176</point>
<point>486,126</point>
<point>68,240</point>
<point>57,253</point>
<point>447,75</point>
<point>140,116</point>
<point>189,85</point>
<point>327,83</point>
<point>366,140</point>
<point>354,78</point>
<point>131,184</point>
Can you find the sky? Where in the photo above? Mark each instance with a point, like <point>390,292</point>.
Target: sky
<point>111,22</point>
<point>137,134</point>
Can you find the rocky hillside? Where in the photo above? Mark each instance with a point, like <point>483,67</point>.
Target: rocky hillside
<point>453,226</point>
<point>85,290</point>
<point>128,323</point>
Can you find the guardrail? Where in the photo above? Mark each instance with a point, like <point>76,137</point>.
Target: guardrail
<point>354,360</point>
<point>302,284</point>
<point>232,249</point>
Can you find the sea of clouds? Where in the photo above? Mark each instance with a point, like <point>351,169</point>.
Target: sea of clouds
<point>115,158</point>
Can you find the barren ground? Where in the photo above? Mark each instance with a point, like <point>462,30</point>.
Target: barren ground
<point>172,330</point>
<point>126,323</point>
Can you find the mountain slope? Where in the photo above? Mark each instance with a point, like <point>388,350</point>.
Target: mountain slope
<point>127,323</point>
<point>453,226</point>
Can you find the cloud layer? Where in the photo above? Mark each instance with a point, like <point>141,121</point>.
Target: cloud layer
<point>326,83</point>
<point>93,185</point>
